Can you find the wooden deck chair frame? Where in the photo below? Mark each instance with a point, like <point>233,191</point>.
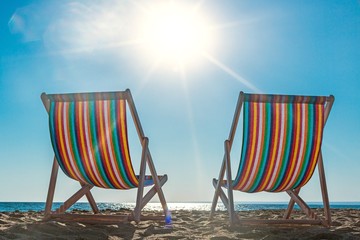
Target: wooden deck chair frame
<point>228,200</point>
<point>146,160</point>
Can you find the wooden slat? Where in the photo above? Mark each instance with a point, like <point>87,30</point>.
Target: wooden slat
<point>222,196</point>
<point>235,121</point>
<point>302,204</point>
<point>157,182</point>
<point>140,191</point>
<point>52,185</point>
<point>290,205</point>
<point>91,200</point>
<point>74,198</point>
<point>217,186</point>
<point>91,96</point>
<point>150,194</point>
<point>229,182</point>
<point>324,192</point>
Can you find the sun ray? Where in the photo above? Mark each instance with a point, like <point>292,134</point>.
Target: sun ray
<point>198,5</point>
<point>147,77</point>
<point>233,24</point>
<point>231,72</point>
<point>194,139</point>
<point>80,50</point>
<point>227,25</point>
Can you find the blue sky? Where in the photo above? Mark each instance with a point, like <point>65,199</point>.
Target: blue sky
<point>284,47</point>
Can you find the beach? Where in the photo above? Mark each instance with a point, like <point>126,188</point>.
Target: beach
<point>185,225</point>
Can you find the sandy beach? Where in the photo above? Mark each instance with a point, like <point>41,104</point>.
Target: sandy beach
<point>185,225</point>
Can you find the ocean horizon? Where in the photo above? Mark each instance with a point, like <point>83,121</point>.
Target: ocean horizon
<point>173,206</point>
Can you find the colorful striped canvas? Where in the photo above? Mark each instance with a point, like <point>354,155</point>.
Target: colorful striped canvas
<point>281,142</point>
<point>89,138</point>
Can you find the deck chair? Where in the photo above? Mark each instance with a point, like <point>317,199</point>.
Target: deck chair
<point>281,147</point>
<point>89,136</point>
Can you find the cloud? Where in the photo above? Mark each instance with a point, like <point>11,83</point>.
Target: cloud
<point>27,23</point>
<point>86,27</point>
<point>72,27</point>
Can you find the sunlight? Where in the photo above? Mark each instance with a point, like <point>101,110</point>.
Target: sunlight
<point>231,72</point>
<point>195,143</point>
<point>174,33</point>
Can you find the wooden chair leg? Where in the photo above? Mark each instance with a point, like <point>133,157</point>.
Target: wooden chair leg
<point>91,200</point>
<point>74,198</point>
<point>151,193</point>
<point>324,192</point>
<point>141,200</point>
<point>301,203</point>
<point>221,194</point>
<point>217,186</point>
<point>52,185</point>
<point>145,200</point>
<point>231,208</point>
<point>140,190</point>
<point>157,184</point>
<point>290,205</point>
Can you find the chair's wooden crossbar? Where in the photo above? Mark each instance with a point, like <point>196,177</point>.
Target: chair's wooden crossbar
<point>222,195</point>
<point>90,96</point>
<point>291,205</point>
<point>85,190</point>
<point>146,159</point>
<point>157,183</point>
<point>150,194</point>
<point>294,194</point>
<point>91,200</point>
<point>140,192</point>
<point>301,203</point>
<point>278,98</point>
<point>74,198</point>
<point>218,191</point>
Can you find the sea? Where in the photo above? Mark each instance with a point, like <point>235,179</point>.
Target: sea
<point>188,206</point>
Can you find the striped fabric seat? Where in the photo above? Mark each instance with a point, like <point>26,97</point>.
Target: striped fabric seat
<point>90,141</point>
<point>281,142</point>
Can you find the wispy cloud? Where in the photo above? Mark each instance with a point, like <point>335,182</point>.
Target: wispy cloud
<point>76,27</point>
<point>27,22</point>
<point>88,27</point>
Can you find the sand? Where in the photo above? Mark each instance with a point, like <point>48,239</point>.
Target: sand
<point>185,225</point>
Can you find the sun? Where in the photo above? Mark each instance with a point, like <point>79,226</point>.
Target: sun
<point>175,33</point>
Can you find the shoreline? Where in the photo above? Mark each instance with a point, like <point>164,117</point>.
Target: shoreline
<point>186,224</point>
<point>22,206</point>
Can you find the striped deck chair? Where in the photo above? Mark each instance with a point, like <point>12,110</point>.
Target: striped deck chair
<point>281,147</point>
<point>88,133</point>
